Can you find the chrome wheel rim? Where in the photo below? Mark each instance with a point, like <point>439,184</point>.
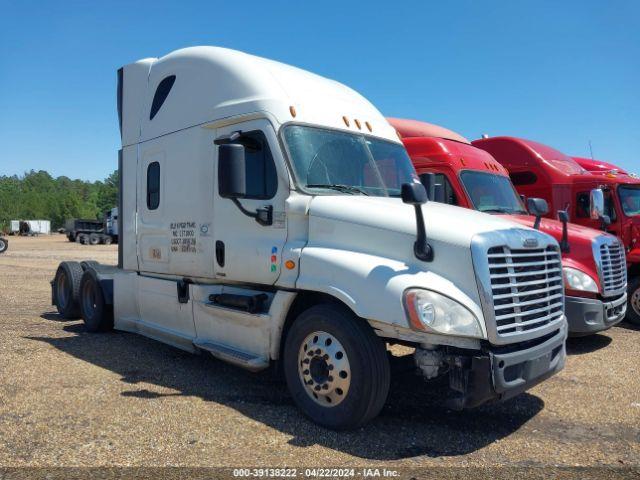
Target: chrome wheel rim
<point>324,369</point>
<point>635,301</point>
<point>2,245</point>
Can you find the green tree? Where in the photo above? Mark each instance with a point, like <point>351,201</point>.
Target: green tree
<point>37,195</point>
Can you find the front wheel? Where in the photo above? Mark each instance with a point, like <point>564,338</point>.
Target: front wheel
<point>4,244</point>
<point>633,309</point>
<point>336,367</point>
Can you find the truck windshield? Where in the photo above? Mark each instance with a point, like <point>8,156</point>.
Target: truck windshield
<point>491,193</point>
<point>333,161</point>
<point>630,200</point>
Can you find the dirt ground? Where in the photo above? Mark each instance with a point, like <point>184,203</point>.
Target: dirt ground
<point>69,398</point>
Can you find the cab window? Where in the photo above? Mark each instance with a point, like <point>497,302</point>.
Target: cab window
<point>153,186</point>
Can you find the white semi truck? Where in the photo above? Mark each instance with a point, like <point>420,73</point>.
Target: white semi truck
<point>269,215</point>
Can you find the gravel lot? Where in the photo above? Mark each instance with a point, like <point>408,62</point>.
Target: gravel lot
<point>68,398</point>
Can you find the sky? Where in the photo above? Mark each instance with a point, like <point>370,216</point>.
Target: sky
<point>564,73</point>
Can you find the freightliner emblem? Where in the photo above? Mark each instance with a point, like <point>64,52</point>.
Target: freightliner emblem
<point>530,242</point>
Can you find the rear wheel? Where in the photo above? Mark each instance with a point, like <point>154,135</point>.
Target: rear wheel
<point>66,289</point>
<point>4,244</point>
<point>633,309</point>
<point>94,239</point>
<point>336,367</point>
<point>107,240</point>
<point>96,313</point>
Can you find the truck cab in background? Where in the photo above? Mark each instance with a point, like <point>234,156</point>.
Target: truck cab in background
<point>469,177</point>
<point>268,214</point>
<point>541,171</point>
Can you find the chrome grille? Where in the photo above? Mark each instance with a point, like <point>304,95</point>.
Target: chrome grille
<point>526,288</point>
<point>613,268</point>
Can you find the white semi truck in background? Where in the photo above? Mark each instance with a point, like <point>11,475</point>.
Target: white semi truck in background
<point>267,214</point>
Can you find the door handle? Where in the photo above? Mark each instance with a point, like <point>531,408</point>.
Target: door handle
<point>220,253</point>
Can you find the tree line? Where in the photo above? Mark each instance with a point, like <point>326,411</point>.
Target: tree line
<point>36,195</point>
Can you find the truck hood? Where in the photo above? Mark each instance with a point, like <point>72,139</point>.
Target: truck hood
<point>382,216</point>
<point>361,250</point>
<point>577,233</point>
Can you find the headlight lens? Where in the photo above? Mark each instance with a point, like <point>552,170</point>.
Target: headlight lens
<point>576,280</point>
<point>431,311</point>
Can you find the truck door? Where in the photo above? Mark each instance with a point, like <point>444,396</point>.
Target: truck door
<point>245,250</point>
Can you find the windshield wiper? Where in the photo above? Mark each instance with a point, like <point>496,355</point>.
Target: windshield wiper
<point>352,189</point>
<point>496,210</point>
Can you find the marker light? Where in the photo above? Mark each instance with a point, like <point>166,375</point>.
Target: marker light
<point>345,120</point>
<point>290,264</point>
<point>292,110</point>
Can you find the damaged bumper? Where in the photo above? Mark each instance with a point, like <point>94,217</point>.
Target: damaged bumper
<point>500,374</point>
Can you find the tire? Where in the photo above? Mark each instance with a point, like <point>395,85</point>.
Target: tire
<point>79,238</point>
<point>96,313</point>
<point>66,289</point>
<point>633,307</point>
<point>107,240</point>
<point>86,264</point>
<point>72,237</point>
<point>94,239</point>
<point>4,244</point>
<point>347,345</point>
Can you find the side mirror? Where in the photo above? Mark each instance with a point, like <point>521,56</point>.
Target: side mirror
<point>416,195</point>
<point>232,182</point>
<point>435,191</point>
<point>428,181</point>
<point>413,194</point>
<point>563,217</point>
<point>537,207</point>
<point>596,204</point>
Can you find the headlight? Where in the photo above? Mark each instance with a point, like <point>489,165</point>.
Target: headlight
<point>430,311</point>
<point>576,280</point>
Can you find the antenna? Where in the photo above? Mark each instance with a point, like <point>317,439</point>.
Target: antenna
<point>591,149</point>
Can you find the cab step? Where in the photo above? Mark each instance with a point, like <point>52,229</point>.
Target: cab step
<point>236,357</point>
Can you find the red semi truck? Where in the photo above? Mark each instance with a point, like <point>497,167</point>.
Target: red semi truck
<point>541,171</point>
<point>466,176</point>
<point>598,166</point>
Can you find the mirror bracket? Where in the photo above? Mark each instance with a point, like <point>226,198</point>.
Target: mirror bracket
<point>563,216</point>
<point>415,194</point>
<point>262,215</point>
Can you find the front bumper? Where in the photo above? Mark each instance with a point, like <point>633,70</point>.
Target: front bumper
<point>588,315</point>
<point>500,374</point>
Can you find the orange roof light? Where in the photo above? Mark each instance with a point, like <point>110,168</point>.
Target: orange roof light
<point>292,110</point>
<point>369,126</point>
<point>358,124</point>
<point>346,120</point>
